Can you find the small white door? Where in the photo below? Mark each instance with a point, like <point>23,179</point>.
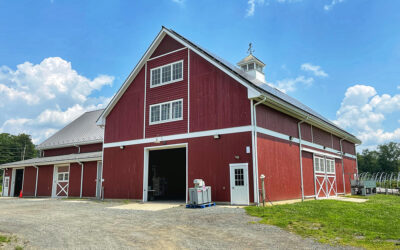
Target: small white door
<point>6,186</point>
<point>60,181</point>
<point>239,184</point>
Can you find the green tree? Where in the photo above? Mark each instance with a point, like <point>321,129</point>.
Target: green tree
<point>389,157</point>
<point>368,161</point>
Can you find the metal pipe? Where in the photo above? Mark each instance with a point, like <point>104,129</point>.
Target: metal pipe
<point>80,195</point>
<point>301,159</point>
<point>37,175</point>
<point>341,151</point>
<point>255,160</point>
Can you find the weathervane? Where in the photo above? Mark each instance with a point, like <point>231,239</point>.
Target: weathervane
<point>250,50</point>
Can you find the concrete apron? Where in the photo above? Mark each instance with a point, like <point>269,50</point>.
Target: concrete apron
<point>149,206</point>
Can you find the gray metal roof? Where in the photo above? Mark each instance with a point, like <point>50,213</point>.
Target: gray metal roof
<point>82,130</point>
<point>262,86</point>
<point>83,157</point>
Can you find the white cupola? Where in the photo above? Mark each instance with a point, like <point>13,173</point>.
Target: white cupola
<point>253,66</point>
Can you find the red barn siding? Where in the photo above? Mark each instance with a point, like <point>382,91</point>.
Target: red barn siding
<point>350,168</point>
<point>216,100</point>
<point>74,189</point>
<point>308,173</point>
<point>339,175</point>
<point>306,133</point>
<point>165,93</point>
<point>29,182</point>
<point>125,121</point>
<point>336,142</point>
<point>123,169</point>
<point>89,179</point>
<point>322,137</point>
<point>60,151</point>
<point>45,180</point>
<point>348,147</point>
<point>274,120</point>
<point>278,160</point>
<point>167,44</point>
<point>91,147</point>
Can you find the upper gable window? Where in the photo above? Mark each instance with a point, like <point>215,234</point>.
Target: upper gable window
<point>166,112</point>
<point>165,74</point>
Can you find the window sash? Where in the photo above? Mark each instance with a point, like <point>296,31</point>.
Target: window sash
<point>322,165</point>
<point>166,112</point>
<point>166,74</point>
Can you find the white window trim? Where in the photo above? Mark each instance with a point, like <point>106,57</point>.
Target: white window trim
<point>334,166</point>
<point>326,160</point>
<point>169,82</point>
<point>63,173</point>
<point>318,158</point>
<point>170,112</point>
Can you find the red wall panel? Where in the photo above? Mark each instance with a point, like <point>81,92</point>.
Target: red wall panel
<point>168,44</point>
<point>306,132</point>
<point>29,182</point>
<point>308,173</point>
<point>168,92</point>
<point>322,138</point>
<point>45,180</point>
<point>91,147</point>
<point>348,147</point>
<point>350,168</point>
<point>74,188</point>
<point>60,151</point>
<point>276,121</point>
<point>339,175</point>
<point>216,100</point>
<point>123,169</point>
<point>89,179</point>
<point>279,160</point>
<point>125,121</point>
<point>336,142</point>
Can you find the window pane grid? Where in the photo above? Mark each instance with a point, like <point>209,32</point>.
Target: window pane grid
<point>155,77</point>
<point>177,71</point>
<point>165,112</point>
<point>239,177</point>
<point>166,74</point>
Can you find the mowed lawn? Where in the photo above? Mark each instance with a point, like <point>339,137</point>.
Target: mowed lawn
<point>374,224</point>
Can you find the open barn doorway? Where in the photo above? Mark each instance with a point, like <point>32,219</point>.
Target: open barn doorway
<point>19,179</point>
<point>166,178</point>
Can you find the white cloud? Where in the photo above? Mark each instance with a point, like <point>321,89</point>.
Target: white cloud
<point>41,98</point>
<point>178,1</point>
<point>328,7</point>
<point>398,87</point>
<point>315,69</point>
<point>251,8</point>
<point>290,84</point>
<point>364,111</point>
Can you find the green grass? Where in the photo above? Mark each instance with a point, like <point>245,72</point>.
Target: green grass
<point>18,248</point>
<point>374,224</point>
<point>4,239</point>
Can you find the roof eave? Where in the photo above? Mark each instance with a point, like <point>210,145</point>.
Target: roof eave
<point>72,144</point>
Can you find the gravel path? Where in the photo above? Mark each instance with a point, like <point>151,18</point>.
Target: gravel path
<point>55,224</point>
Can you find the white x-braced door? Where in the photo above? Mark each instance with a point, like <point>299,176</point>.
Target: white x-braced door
<point>325,177</point>
<point>60,181</point>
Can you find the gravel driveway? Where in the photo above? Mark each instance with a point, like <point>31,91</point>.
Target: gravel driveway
<point>49,224</point>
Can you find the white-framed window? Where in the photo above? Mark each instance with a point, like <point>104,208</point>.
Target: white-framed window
<point>166,74</point>
<point>166,112</point>
<point>321,165</point>
<point>330,166</point>
<point>63,176</point>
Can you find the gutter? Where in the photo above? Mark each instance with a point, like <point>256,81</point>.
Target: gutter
<point>301,158</point>
<point>82,165</point>
<point>37,176</point>
<point>341,151</point>
<point>255,157</point>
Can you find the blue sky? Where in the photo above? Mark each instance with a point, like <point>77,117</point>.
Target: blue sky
<point>340,57</point>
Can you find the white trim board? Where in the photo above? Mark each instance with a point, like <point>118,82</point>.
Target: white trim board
<point>180,136</point>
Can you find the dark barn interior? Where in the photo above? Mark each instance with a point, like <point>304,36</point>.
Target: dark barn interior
<point>167,174</point>
<point>19,176</point>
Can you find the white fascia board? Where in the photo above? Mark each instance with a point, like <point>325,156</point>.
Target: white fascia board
<point>316,152</point>
<point>132,75</point>
<point>70,144</point>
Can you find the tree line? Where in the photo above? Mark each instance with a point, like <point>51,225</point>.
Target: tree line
<point>386,158</point>
<point>15,148</point>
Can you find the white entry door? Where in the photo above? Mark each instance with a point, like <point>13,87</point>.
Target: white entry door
<point>60,181</point>
<point>6,186</point>
<point>239,184</point>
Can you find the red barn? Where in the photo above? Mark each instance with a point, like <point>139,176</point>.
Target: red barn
<point>185,114</point>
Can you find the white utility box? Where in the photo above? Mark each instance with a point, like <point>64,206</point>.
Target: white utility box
<point>200,193</point>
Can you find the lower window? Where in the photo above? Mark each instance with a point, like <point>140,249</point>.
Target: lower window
<point>166,112</point>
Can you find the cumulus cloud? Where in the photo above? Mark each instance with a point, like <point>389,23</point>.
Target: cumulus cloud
<point>291,84</point>
<point>363,111</point>
<point>251,6</point>
<point>178,1</point>
<point>41,98</point>
<point>329,6</point>
<point>315,69</point>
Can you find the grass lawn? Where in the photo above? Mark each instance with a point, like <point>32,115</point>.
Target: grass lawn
<point>374,224</point>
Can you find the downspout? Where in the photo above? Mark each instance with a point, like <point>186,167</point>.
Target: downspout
<point>255,158</point>
<point>80,195</point>
<point>2,190</point>
<point>301,158</point>
<point>79,148</point>
<point>341,151</point>
<point>37,176</point>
